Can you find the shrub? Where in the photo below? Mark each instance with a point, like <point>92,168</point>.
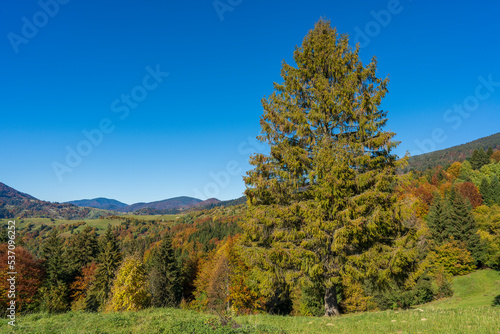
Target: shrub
<point>452,258</point>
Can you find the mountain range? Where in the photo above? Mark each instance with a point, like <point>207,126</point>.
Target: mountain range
<point>176,203</point>
<point>14,203</point>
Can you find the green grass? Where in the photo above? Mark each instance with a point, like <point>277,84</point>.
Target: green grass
<point>474,290</point>
<point>100,224</point>
<point>468,311</point>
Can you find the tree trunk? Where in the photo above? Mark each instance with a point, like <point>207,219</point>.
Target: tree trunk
<point>331,305</point>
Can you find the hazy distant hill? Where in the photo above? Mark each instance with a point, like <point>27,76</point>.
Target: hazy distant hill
<point>208,204</point>
<point>15,204</point>
<point>456,153</point>
<point>100,203</point>
<point>182,202</point>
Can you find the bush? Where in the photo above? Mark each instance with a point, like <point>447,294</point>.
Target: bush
<point>452,258</point>
<point>421,293</point>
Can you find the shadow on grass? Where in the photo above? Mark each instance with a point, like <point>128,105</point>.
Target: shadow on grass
<point>496,301</point>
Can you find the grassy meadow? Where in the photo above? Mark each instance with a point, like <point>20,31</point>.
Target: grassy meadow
<point>470,310</point>
<point>100,224</point>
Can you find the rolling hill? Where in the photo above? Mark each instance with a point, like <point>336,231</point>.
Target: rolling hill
<point>14,203</point>
<point>100,203</point>
<point>456,153</point>
<point>182,202</point>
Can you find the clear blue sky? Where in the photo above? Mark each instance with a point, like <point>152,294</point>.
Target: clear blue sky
<point>71,70</point>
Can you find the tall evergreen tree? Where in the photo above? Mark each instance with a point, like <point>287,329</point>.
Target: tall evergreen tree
<point>461,225</point>
<point>164,278</point>
<point>490,190</point>
<point>489,153</point>
<point>53,260</point>
<point>479,159</point>
<point>437,219</point>
<point>55,293</point>
<point>323,199</point>
<point>484,189</point>
<point>109,260</point>
<point>494,191</point>
<point>82,249</point>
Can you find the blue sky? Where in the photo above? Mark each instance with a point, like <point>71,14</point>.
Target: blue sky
<point>197,75</point>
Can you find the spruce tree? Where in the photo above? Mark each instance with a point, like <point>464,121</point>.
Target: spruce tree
<point>484,189</point>
<point>82,249</point>
<point>164,278</point>
<point>461,225</point>
<point>494,191</point>
<point>55,292</point>
<point>55,263</point>
<point>109,260</point>
<point>489,153</point>
<point>484,158</point>
<point>479,159</point>
<point>437,219</point>
<point>323,199</point>
<point>474,159</point>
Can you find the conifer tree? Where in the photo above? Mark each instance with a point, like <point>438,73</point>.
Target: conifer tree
<point>82,249</point>
<point>164,277</point>
<point>55,292</point>
<point>323,199</point>
<point>479,159</point>
<point>437,219</point>
<point>489,153</point>
<point>484,189</point>
<point>54,261</point>
<point>109,260</point>
<point>461,225</point>
<point>494,191</point>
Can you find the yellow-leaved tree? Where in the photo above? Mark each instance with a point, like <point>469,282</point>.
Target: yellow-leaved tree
<point>130,292</point>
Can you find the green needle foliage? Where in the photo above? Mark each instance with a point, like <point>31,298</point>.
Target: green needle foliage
<point>321,205</point>
<point>109,260</point>
<point>164,277</point>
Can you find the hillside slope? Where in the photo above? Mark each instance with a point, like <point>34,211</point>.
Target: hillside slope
<point>100,203</point>
<point>471,312</point>
<point>171,203</point>
<point>14,203</point>
<point>456,153</point>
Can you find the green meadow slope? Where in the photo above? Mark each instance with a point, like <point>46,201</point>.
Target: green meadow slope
<point>470,310</point>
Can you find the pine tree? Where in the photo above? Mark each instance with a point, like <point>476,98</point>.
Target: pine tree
<point>323,199</point>
<point>164,278</point>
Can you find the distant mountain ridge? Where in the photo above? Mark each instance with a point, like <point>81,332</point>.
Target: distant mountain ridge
<point>167,204</point>
<point>449,155</point>
<point>100,203</point>
<point>170,205</point>
<point>14,203</point>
